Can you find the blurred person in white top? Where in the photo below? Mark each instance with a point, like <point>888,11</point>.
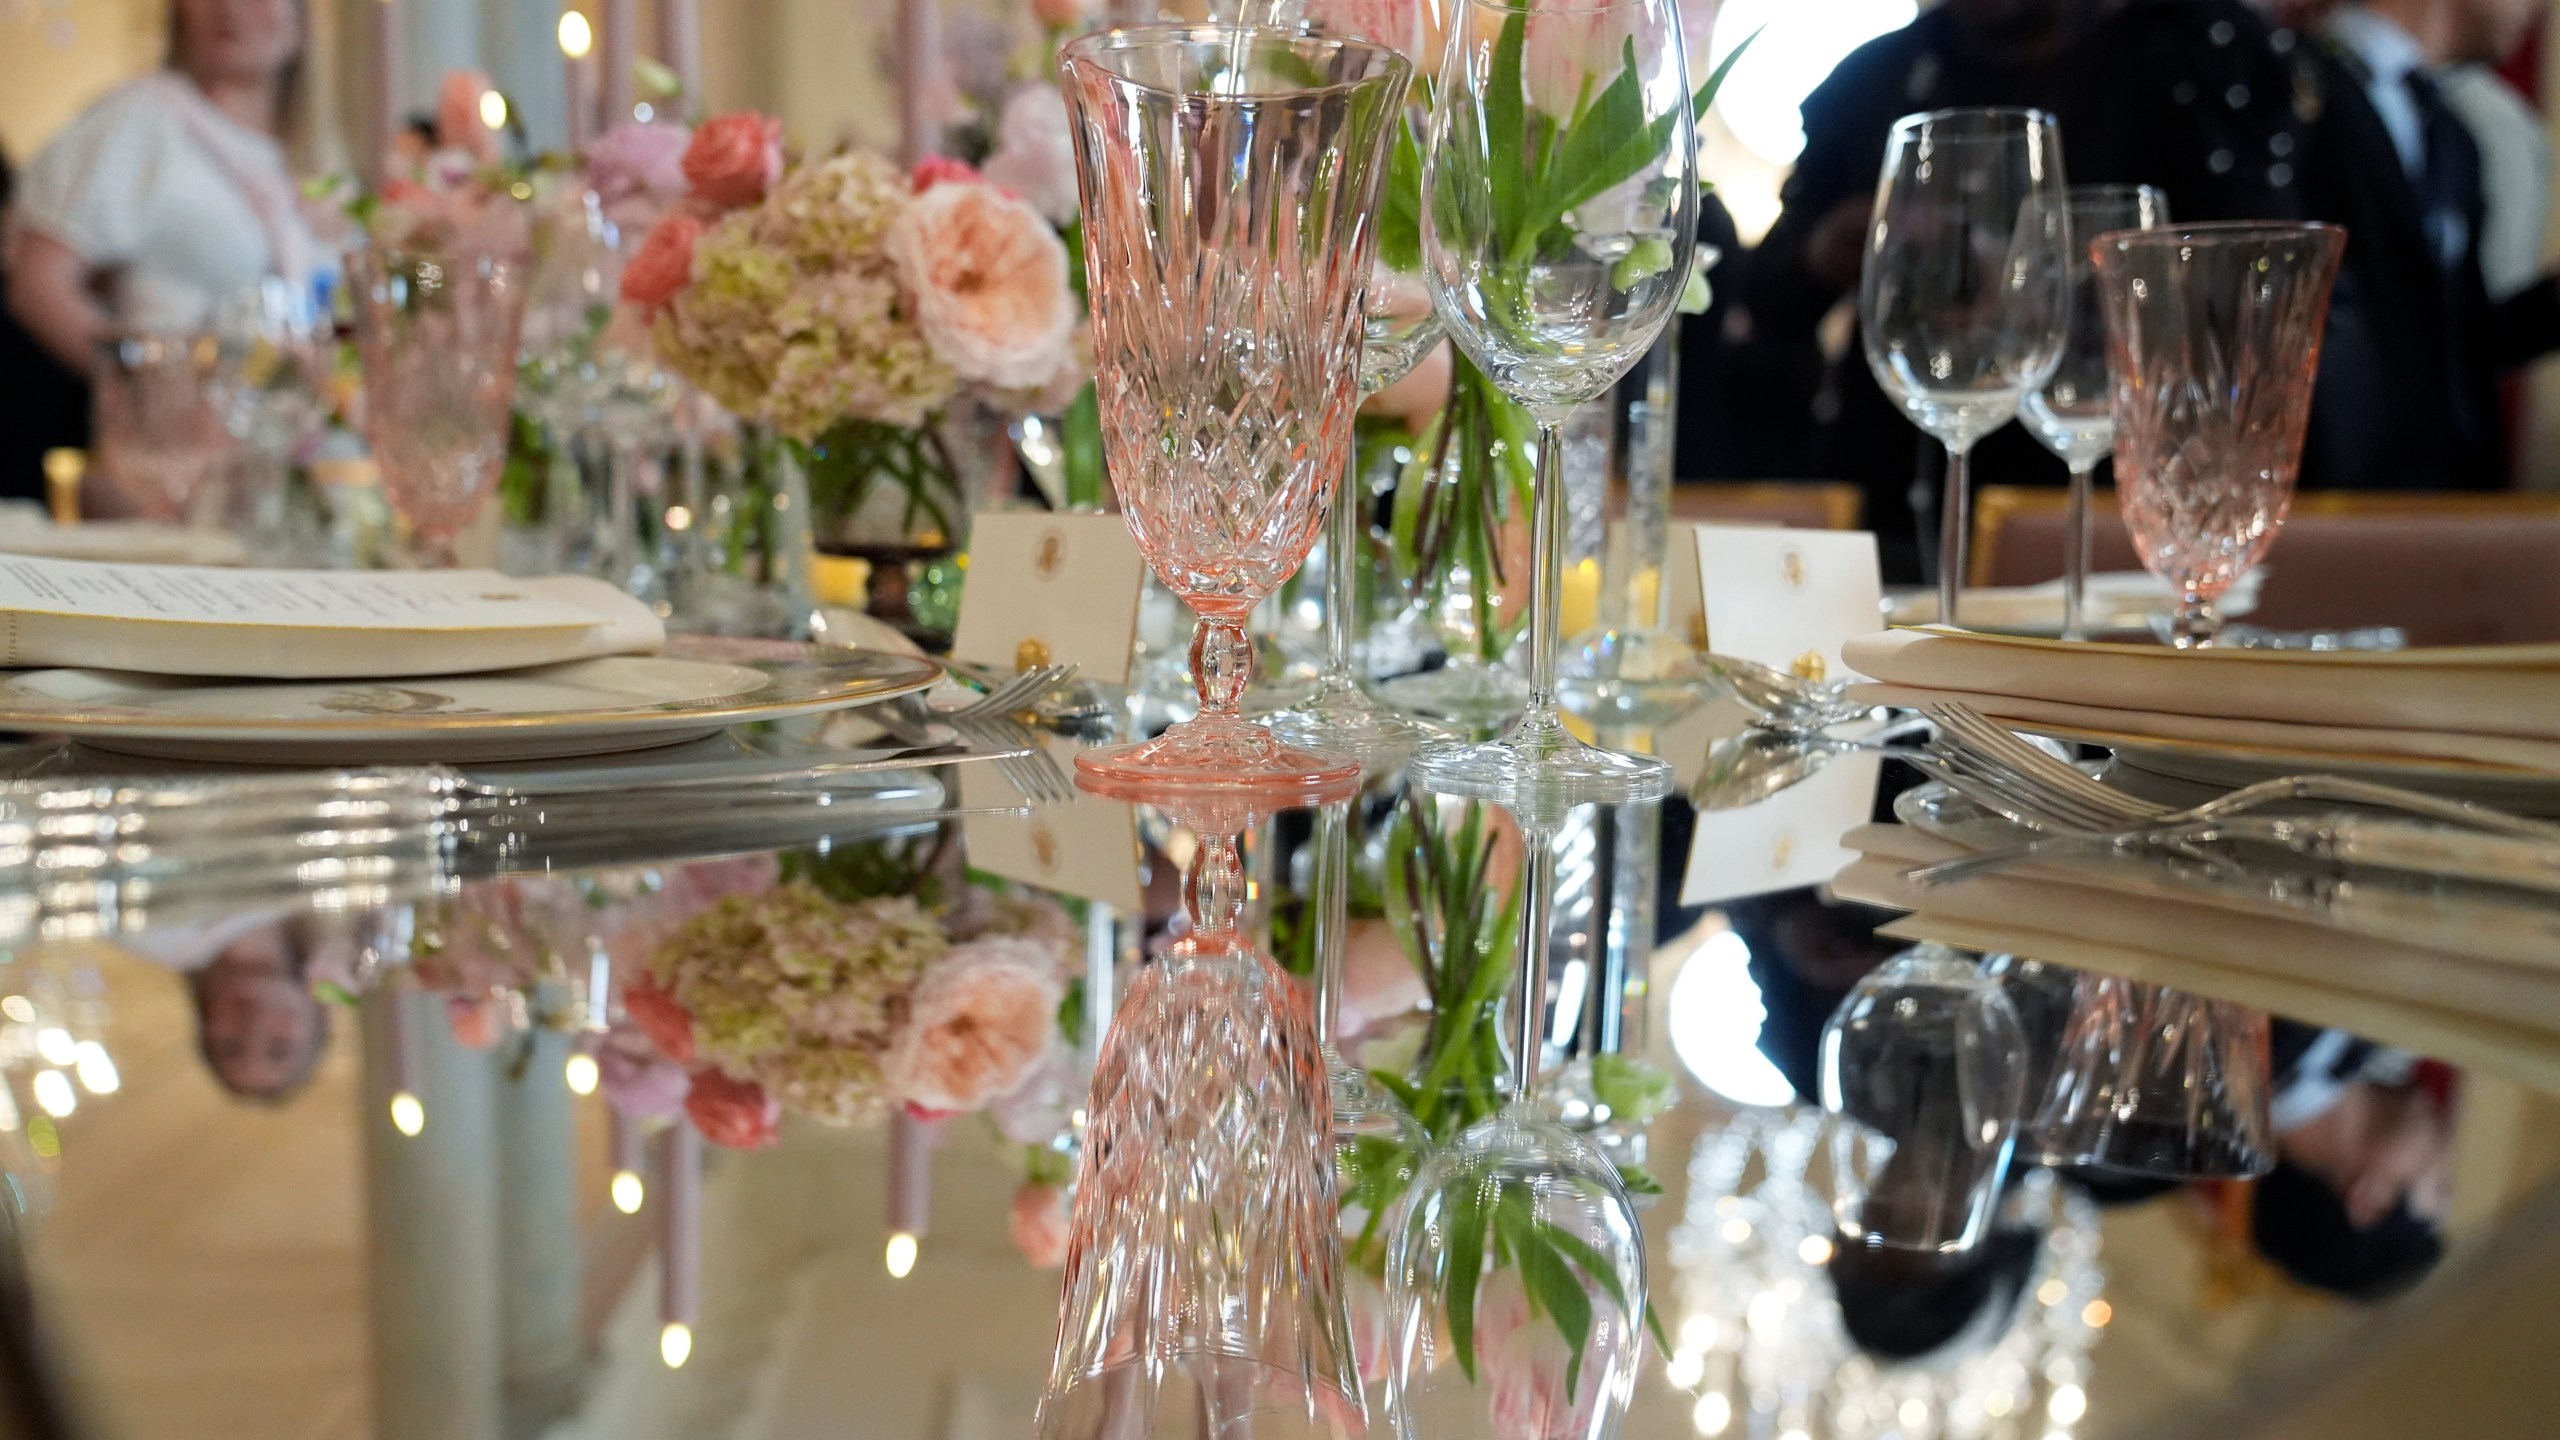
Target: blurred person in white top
<point>172,191</point>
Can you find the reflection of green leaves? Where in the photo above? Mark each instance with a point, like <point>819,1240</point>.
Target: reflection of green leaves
<point>1634,1090</point>
<point>1505,115</point>
<point>1400,206</point>
<point>1638,1180</point>
<point>1464,1218</point>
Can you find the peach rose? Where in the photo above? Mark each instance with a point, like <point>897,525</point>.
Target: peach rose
<point>458,124</point>
<point>667,1023</point>
<point>1061,14</point>
<point>933,170</point>
<point>734,159</point>
<point>734,1113</point>
<point>977,1025</point>
<point>989,278</point>
<point>1040,1224</point>
<point>664,265</point>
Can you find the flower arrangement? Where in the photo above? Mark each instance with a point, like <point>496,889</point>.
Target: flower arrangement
<point>456,196</point>
<point>847,306</point>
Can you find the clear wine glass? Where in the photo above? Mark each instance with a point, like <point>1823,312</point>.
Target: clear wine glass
<point>2213,341</point>
<point>1965,296</point>
<point>436,336</point>
<point>2153,1081</point>
<point>1229,179</point>
<point>1517,1281</point>
<point>272,350</point>
<point>2073,414</point>
<point>1924,1076</point>
<point>1560,203</point>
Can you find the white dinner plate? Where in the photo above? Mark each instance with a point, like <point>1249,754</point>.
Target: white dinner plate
<point>696,686</point>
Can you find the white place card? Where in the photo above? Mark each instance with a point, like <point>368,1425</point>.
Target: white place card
<point>1790,840</point>
<point>1086,847</point>
<point>1051,589</point>
<point>1788,599</point>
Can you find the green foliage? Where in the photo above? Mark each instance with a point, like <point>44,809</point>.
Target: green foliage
<point>854,457</point>
<point>1471,467</point>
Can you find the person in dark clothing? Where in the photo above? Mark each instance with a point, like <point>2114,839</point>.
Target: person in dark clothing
<point>42,405</point>
<point>2239,117</point>
<point>1961,53</point>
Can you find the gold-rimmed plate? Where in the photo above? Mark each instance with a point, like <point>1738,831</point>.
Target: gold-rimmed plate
<point>696,686</point>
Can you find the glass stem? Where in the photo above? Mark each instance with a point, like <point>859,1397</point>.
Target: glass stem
<point>1546,574</point>
<point>2075,554</point>
<point>1333,915</point>
<point>1342,588</point>
<point>1529,996</point>
<point>1954,511</point>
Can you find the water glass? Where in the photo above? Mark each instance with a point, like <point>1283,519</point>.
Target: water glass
<point>436,336</point>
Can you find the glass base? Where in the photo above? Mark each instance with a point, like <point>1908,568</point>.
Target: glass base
<point>1540,768</point>
<point>1222,755</point>
<point>1633,677</point>
<point>1470,692</point>
<point>1342,715</point>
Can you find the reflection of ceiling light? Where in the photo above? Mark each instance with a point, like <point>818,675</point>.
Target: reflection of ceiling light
<point>901,1257</point>
<point>1762,100</point>
<point>1713,1413</point>
<point>18,1008</point>
<point>576,36</point>
<point>55,1044</point>
<point>675,1344</point>
<point>628,1192</point>
<point>581,1074</point>
<point>53,1092</point>
<point>1715,1015</point>
<point>493,109</point>
<point>408,1114</point>
<point>97,1069</point>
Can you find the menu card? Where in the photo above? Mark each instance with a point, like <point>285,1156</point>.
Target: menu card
<point>306,624</point>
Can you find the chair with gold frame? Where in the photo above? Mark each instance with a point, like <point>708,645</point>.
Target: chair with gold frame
<point>1793,504</point>
<point>2449,568</point>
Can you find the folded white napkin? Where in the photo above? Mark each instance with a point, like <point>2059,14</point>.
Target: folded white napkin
<point>2116,599</point>
<point>307,624</point>
<point>2427,998</point>
<point>2486,705</point>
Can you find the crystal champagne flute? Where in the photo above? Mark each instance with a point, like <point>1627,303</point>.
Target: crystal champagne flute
<point>2072,415</point>
<point>1964,297</point>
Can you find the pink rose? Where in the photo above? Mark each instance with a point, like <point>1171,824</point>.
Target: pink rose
<point>1419,395</point>
<point>1570,55</point>
<point>458,124</point>
<point>637,170</point>
<point>934,170</point>
<point>1040,1225</point>
<point>989,278</point>
<point>1061,14</point>
<point>667,1023</point>
<point>1411,27</point>
<point>1035,155</point>
<point>977,1025</point>
<point>734,1113</point>
<point>1379,982</point>
<point>664,266</point>
<point>734,158</point>
<point>637,1083</point>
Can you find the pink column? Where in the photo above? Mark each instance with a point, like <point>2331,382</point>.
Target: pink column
<point>920,62</point>
<point>680,47</point>
<point>383,54</point>
<point>620,46</point>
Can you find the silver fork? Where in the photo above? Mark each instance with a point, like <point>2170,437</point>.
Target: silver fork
<point>1985,763</point>
<point>989,722</point>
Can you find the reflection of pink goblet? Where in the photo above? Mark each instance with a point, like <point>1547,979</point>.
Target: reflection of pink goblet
<point>437,338</point>
<point>1230,178</point>
<point>2213,339</point>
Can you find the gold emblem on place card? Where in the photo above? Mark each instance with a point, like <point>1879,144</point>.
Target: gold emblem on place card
<point>1783,851</point>
<point>1810,666</point>
<point>1791,568</point>
<point>1030,655</point>
<point>1044,849</point>
<point>1051,555</point>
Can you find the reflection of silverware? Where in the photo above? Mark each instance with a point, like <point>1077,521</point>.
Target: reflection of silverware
<point>1780,701</point>
<point>1748,768</point>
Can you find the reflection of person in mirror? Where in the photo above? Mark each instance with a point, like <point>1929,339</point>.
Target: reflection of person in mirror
<point>259,1026</point>
<point>2357,1202</point>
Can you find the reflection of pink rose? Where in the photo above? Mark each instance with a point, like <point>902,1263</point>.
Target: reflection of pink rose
<point>977,1025</point>
<point>473,1019</point>
<point>638,1084</point>
<point>1035,1111</point>
<point>734,158</point>
<point>637,169</point>
<point>1412,27</point>
<point>989,278</point>
<point>1414,399</point>
<point>1379,982</point>
<point>1523,1359</point>
<point>1035,154</point>
<point>734,1113</point>
<point>1373,1330</point>
<point>668,1024</point>
<point>458,124</point>
<point>1040,1225</point>
<point>1569,56</point>
<point>664,266</point>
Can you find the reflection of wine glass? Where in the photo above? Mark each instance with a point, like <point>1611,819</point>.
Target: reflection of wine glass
<point>2213,339</point>
<point>1923,1074</point>
<point>1204,1288</point>
<point>1558,222</point>
<point>436,336</point>
<point>159,438</point>
<point>2153,1081</point>
<point>2073,414</point>
<point>1517,1281</point>
<point>1964,297</point>
<point>1229,180</point>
